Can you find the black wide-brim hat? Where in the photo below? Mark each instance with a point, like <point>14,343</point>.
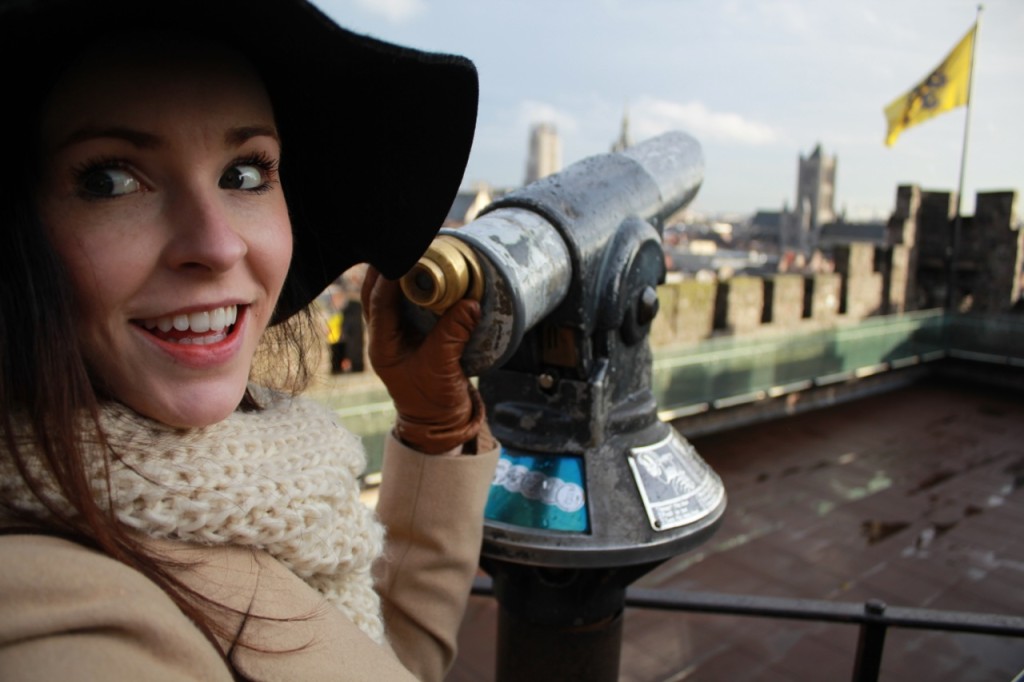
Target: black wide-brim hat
<point>375,137</point>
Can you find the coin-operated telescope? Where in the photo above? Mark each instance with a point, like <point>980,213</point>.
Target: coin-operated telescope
<point>592,489</point>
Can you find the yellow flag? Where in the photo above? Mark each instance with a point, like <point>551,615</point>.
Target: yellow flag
<point>945,88</point>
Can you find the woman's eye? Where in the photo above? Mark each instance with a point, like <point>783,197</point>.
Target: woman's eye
<point>108,182</point>
<point>242,176</point>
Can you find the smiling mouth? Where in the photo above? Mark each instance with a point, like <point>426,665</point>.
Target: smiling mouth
<point>200,328</point>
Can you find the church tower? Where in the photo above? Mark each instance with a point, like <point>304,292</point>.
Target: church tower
<point>545,152</point>
<point>625,140</point>
<point>815,195</point>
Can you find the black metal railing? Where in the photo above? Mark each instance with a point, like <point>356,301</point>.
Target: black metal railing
<point>874,617</point>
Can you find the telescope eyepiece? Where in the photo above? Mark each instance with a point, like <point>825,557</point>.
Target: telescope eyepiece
<point>447,272</point>
<point>424,285</point>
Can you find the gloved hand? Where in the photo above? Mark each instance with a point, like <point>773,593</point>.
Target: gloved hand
<point>438,409</point>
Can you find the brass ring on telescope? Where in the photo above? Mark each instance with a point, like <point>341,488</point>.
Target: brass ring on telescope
<point>447,272</point>
<point>475,290</point>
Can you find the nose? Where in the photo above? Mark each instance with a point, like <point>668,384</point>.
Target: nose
<point>204,231</point>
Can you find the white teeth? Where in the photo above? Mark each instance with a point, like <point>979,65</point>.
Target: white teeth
<point>202,340</point>
<point>216,320</point>
<point>199,322</point>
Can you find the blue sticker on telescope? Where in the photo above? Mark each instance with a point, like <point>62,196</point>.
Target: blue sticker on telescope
<point>539,491</point>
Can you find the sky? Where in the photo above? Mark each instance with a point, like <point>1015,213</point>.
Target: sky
<point>757,82</point>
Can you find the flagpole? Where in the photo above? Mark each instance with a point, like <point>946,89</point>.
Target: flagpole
<point>954,246</point>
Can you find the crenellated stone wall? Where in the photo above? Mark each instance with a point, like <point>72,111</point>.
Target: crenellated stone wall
<point>855,263</point>
<point>898,280</point>
<point>691,310</point>
<point>686,312</point>
<point>909,274</point>
<point>739,304</point>
<point>995,253</point>
<point>784,300</point>
<point>985,273</point>
<point>822,294</point>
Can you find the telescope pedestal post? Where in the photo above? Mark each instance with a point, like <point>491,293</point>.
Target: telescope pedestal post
<point>559,624</point>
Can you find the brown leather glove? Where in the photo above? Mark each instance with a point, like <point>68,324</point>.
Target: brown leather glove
<point>438,409</point>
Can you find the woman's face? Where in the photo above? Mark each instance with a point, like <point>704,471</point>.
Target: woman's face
<point>160,193</point>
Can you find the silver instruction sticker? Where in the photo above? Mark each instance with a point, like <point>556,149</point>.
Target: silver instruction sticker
<point>676,485</point>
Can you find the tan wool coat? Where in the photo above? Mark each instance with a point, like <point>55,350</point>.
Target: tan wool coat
<point>70,613</point>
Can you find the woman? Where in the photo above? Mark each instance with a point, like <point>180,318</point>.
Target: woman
<point>179,187</point>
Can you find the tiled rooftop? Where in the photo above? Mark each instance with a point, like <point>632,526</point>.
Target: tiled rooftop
<point>912,496</point>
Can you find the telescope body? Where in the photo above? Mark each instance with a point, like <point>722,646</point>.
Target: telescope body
<point>589,477</point>
<point>545,241</point>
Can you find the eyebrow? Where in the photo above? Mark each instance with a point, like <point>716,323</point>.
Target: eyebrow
<point>238,136</point>
<point>135,137</point>
<point>234,137</point>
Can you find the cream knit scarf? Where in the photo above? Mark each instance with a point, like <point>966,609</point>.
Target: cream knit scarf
<point>282,479</point>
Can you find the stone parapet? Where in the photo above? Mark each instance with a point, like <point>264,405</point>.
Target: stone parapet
<point>739,306</point>
<point>686,312</point>
<point>822,296</point>
<point>784,300</point>
<point>909,274</point>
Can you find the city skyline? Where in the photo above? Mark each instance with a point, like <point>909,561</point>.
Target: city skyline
<point>758,83</point>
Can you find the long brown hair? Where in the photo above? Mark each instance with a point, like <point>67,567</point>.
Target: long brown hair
<point>50,406</point>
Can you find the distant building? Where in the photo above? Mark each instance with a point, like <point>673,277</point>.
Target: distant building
<point>625,140</point>
<point>766,226</point>
<point>841,232</point>
<point>467,204</point>
<point>815,201</point>
<point>816,186</point>
<point>545,156</point>
<point>799,231</point>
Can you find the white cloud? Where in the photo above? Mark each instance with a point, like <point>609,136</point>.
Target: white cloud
<point>650,116</point>
<point>394,10</point>
<point>788,16</point>
<point>532,112</point>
